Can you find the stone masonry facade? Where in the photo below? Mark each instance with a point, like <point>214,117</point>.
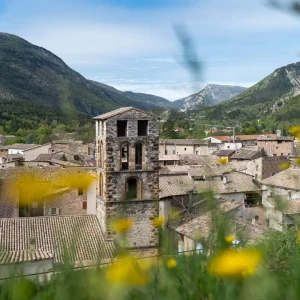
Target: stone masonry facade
<point>113,183</point>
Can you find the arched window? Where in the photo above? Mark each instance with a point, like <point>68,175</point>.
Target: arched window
<point>100,155</point>
<point>138,156</point>
<point>132,189</point>
<point>124,159</point>
<point>100,185</point>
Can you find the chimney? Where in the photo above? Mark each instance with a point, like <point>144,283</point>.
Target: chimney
<point>224,181</point>
<point>32,244</point>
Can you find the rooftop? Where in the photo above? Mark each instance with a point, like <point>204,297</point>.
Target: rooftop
<point>120,111</point>
<point>224,152</point>
<point>183,141</point>
<point>79,235</point>
<point>20,146</point>
<point>247,154</point>
<point>200,226</point>
<point>288,178</point>
<point>248,137</point>
<point>175,185</point>
<point>12,257</point>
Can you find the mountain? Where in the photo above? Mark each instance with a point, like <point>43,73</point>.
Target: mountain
<point>36,83</point>
<point>274,97</point>
<point>212,94</point>
<point>151,99</point>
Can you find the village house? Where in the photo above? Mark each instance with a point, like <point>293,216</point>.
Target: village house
<point>183,146</point>
<point>281,198</point>
<point>277,146</point>
<point>224,155</point>
<point>33,152</point>
<point>169,160</point>
<point>264,167</point>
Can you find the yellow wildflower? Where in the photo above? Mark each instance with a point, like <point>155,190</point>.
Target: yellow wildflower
<point>298,237</point>
<point>79,179</point>
<point>158,221</point>
<point>295,130</point>
<point>171,263</point>
<point>174,214</point>
<point>233,263</point>
<point>298,161</point>
<point>223,161</point>
<point>229,238</point>
<point>128,271</point>
<point>122,225</point>
<point>284,166</point>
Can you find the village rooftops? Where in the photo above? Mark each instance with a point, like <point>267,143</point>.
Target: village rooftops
<point>80,236</point>
<point>246,154</point>
<point>121,111</point>
<point>218,169</point>
<point>183,142</point>
<point>20,146</point>
<point>224,152</point>
<point>288,179</point>
<point>200,226</point>
<point>277,138</point>
<point>12,257</point>
<point>168,157</point>
<point>290,207</point>
<point>249,137</point>
<point>175,185</point>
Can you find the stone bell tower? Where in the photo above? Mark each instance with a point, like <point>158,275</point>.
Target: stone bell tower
<point>127,142</point>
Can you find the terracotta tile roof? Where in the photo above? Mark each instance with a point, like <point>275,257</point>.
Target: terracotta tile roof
<point>200,226</point>
<point>247,154</point>
<point>224,152</point>
<point>291,207</point>
<point>252,232</point>
<point>12,257</point>
<point>120,111</point>
<point>194,159</point>
<point>168,157</point>
<point>276,138</point>
<point>20,146</point>
<point>183,142</point>
<point>80,236</point>
<point>287,179</point>
<point>174,185</point>
<point>217,169</point>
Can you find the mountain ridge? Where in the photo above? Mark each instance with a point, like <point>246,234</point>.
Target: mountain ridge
<point>211,94</point>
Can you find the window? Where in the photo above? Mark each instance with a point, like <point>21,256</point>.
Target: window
<point>121,128</point>
<point>184,149</point>
<point>132,189</point>
<point>138,156</point>
<point>142,127</point>
<point>279,142</point>
<point>54,211</point>
<point>125,156</point>
<point>100,185</point>
<point>84,204</point>
<point>80,191</point>
<point>173,151</point>
<point>199,248</point>
<point>100,155</point>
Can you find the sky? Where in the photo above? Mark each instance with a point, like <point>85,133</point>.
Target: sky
<point>136,45</point>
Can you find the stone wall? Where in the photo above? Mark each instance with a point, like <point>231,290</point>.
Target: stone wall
<point>8,200</point>
<point>277,147</point>
<point>69,203</point>
<point>143,233</point>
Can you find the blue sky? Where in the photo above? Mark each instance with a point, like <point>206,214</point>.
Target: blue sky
<point>131,44</point>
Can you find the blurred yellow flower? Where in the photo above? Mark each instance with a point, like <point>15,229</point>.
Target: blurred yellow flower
<point>171,263</point>
<point>295,130</point>
<point>284,166</point>
<point>122,225</point>
<point>298,237</point>
<point>79,179</point>
<point>128,271</point>
<point>298,161</point>
<point>229,238</point>
<point>158,221</point>
<point>233,263</point>
<point>174,214</point>
<point>223,161</point>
